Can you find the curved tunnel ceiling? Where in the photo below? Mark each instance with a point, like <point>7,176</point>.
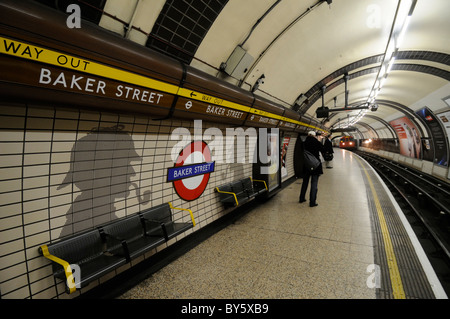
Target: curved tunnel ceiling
<point>300,46</point>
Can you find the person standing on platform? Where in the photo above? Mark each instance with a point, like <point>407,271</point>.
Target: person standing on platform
<point>328,152</point>
<point>312,145</point>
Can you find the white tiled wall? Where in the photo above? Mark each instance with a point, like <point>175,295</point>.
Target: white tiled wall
<point>55,161</point>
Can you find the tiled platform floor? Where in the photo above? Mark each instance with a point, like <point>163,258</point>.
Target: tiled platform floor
<point>282,249</point>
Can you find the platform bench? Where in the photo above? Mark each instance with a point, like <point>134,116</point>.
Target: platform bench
<point>84,257</point>
<point>241,191</point>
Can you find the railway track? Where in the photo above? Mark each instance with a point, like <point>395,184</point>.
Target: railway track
<point>425,201</point>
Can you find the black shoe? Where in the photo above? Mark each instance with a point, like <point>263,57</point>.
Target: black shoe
<point>313,205</point>
<point>302,200</point>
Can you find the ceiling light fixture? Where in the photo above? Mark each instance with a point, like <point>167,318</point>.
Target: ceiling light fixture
<point>402,20</point>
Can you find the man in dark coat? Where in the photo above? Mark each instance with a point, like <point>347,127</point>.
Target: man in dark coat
<point>328,152</point>
<point>315,147</point>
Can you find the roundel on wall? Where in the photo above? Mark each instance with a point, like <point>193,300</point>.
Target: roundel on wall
<point>192,170</point>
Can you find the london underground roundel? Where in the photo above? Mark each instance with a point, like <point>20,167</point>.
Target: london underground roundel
<point>192,170</point>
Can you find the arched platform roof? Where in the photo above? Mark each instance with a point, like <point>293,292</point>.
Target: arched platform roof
<point>302,48</point>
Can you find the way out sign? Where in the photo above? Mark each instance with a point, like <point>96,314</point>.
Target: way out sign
<point>191,172</point>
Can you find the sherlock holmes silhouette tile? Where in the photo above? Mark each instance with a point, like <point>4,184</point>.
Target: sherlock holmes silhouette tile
<point>101,168</point>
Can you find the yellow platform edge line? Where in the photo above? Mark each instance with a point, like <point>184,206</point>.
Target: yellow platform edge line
<point>394,273</point>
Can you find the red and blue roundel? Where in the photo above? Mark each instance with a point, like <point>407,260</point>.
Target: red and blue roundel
<point>190,175</point>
